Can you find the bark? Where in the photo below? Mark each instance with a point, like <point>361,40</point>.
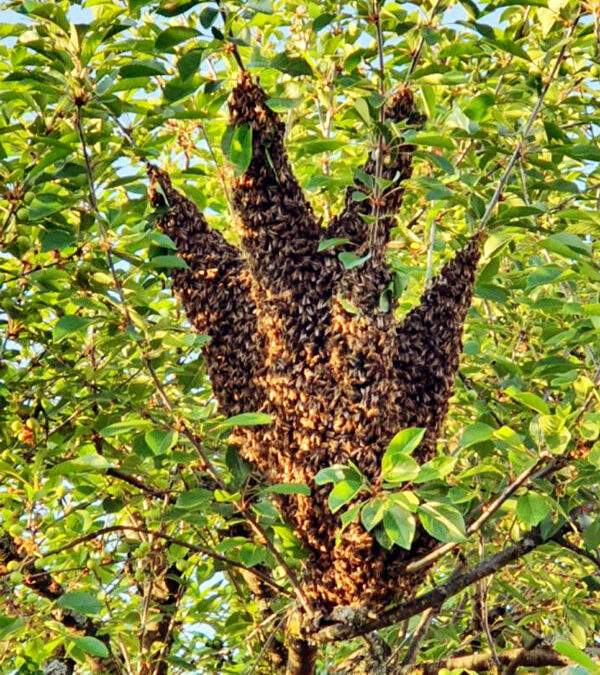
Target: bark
<point>539,657</point>
<point>302,657</point>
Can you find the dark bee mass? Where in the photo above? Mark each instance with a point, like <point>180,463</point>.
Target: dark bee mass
<point>337,384</point>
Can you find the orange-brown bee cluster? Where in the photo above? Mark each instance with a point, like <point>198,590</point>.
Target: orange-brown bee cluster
<point>298,336</point>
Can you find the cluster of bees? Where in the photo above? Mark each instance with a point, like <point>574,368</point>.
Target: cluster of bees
<point>297,335</point>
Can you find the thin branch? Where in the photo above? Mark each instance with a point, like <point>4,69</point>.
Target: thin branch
<point>421,43</point>
<point>136,482</point>
<point>418,636</point>
<point>429,270</point>
<point>565,543</point>
<point>171,540</point>
<point>232,45</point>
<point>487,512</point>
<point>532,118</point>
<point>482,589</point>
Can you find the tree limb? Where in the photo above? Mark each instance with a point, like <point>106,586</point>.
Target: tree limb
<point>534,658</point>
<point>435,597</point>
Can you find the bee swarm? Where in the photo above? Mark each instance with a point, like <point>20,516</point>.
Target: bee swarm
<point>338,385</point>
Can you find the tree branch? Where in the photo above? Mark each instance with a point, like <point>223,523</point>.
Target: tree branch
<point>534,658</point>
<point>435,597</point>
<point>173,540</point>
<point>487,512</point>
<point>44,585</point>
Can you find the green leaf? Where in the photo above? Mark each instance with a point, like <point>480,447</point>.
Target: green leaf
<point>68,325</point>
<point>174,35</point>
<point>576,655</point>
<point>326,244</point>
<point>405,442</point>
<point>398,468</point>
<point>142,69</point>
<point>435,469</point>
<point>336,473</point>
<point>56,239</point>
<point>442,521</point>
<point>362,108</point>
<point>477,108</point>
<point>532,508</point>
<point>342,493</point>
<point>288,489</point>
<point>372,513</point>
<point>292,65</point>
<point>322,21</point>
<point>240,149</point>
<point>396,465</point>
<point>281,105</point>
<point>350,260</point>
<point>193,498</point>
<point>350,515</point>
<point>432,141</point>
<point>125,426</point>
<point>550,431</point>
<point>10,624</point>
<point>532,401</point>
<point>80,602</point>
<point>170,262</point>
<point>476,433</point>
<point>90,463</point>
<point>399,525</point>
<point>249,419</point>
<point>161,440</point>
<point>92,646</point>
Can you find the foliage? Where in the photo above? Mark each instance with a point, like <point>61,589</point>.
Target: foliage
<point>110,521</point>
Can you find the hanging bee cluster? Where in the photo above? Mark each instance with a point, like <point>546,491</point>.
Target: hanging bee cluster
<point>298,336</point>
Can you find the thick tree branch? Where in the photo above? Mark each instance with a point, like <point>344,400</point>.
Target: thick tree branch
<point>435,597</point>
<point>534,658</point>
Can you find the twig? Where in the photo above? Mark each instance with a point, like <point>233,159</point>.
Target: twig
<point>233,46</point>
<point>418,636</point>
<point>482,589</point>
<point>429,270</point>
<point>532,118</point>
<point>267,644</point>
<point>565,543</point>
<point>136,482</point>
<point>172,540</point>
<point>420,44</point>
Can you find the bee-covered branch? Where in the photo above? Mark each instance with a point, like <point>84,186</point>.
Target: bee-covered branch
<point>215,293</point>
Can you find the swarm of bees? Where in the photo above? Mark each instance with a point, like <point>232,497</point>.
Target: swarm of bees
<point>297,335</point>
